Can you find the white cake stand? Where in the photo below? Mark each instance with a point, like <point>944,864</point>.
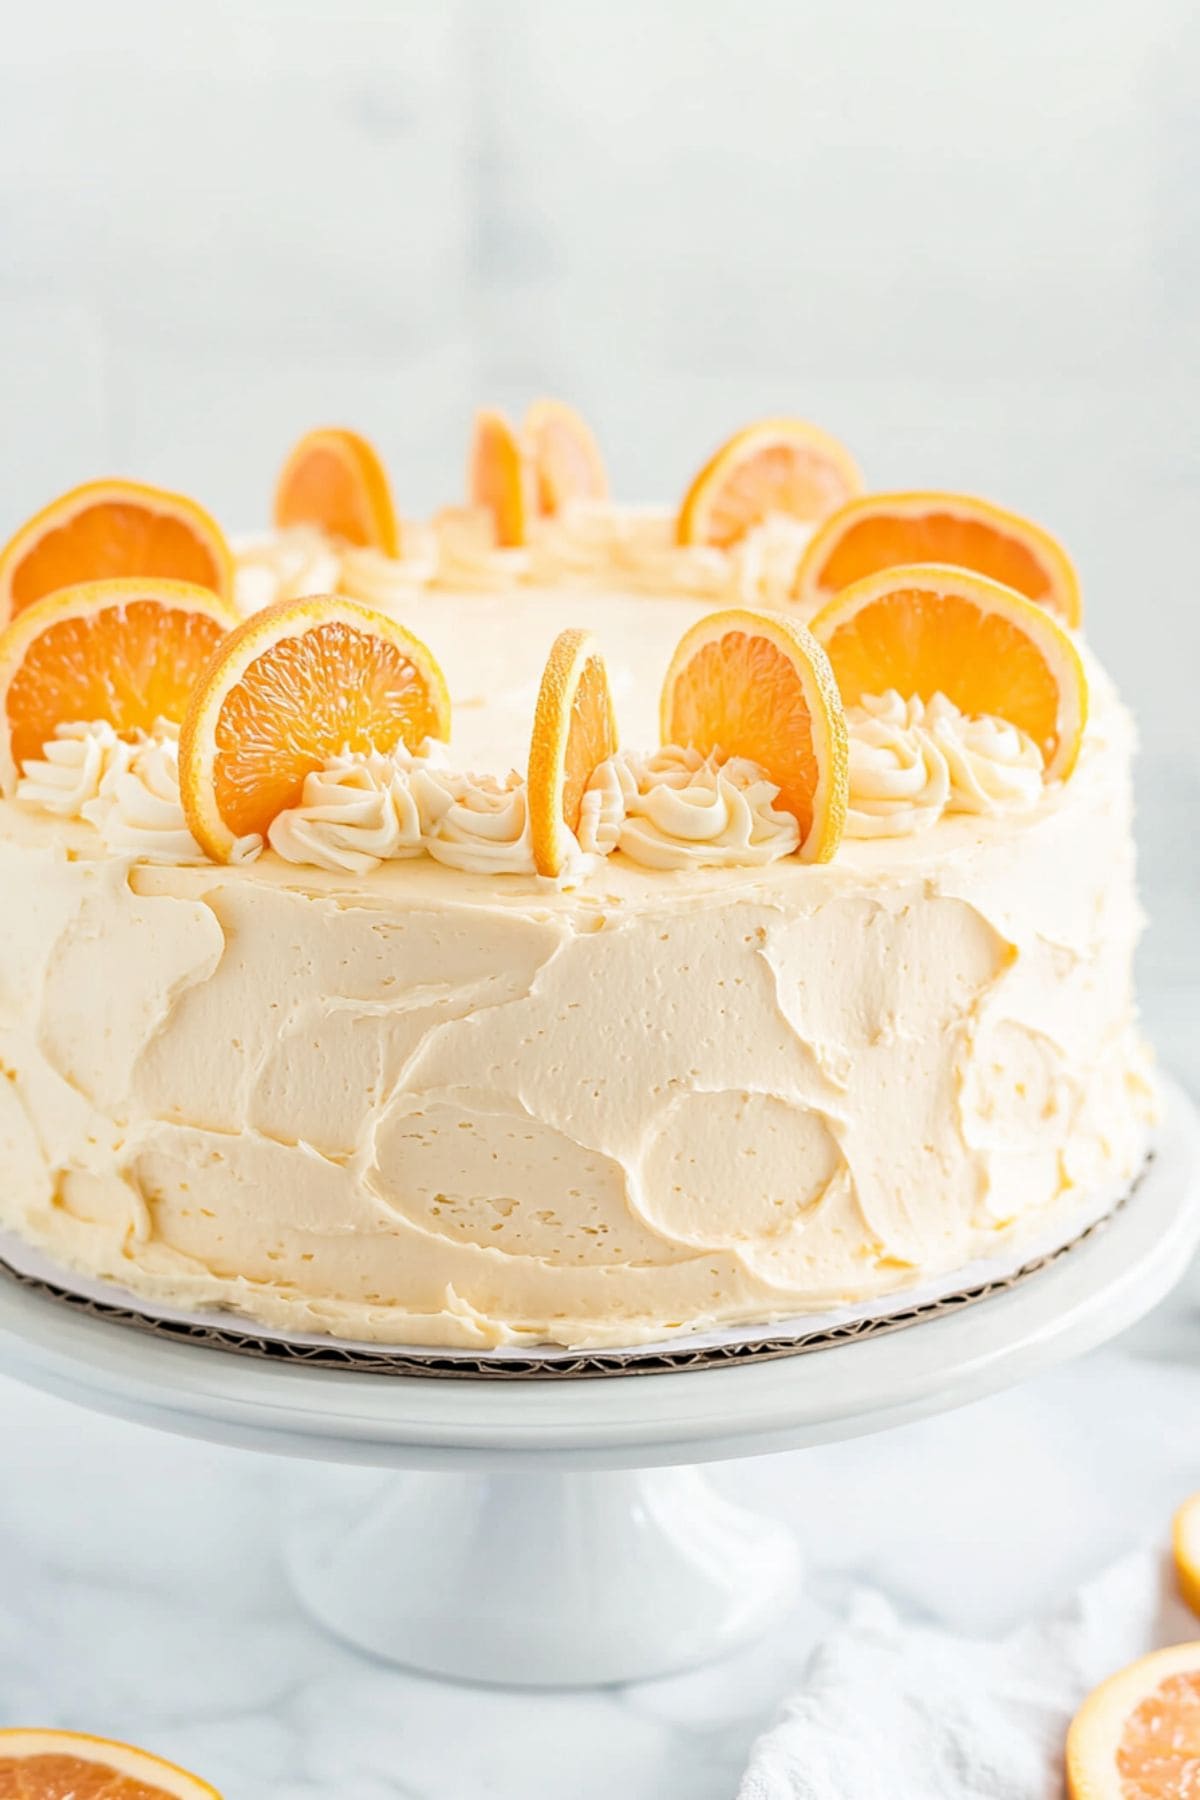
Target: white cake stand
<point>542,1533</point>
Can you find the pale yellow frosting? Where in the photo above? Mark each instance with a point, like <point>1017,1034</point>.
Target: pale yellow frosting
<point>423,1104</point>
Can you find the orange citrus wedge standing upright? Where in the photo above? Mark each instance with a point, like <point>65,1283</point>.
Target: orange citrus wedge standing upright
<point>68,1765</point>
<point>777,466</point>
<point>122,652</point>
<point>574,731</point>
<point>928,629</point>
<point>757,684</point>
<point>294,685</point>
<point>881,531</point>
<point>336,480</point>
<point>106,529</point>
<point>567,464</point>
<point>498,478</point>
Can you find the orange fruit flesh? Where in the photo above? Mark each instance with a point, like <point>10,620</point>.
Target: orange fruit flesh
<point>746,689</point>
<point>111,538</point>
<point>566,457</point>
<point>308,697</point>
<point>55,1777</point>
<point>127,665</point>
<point>326,487</point>
<point>497,478</point>
<point>590,738</point>
<point>782,478</point>
<point>1158,1757</point>
<point>919,646</point>
<point>878,543</point>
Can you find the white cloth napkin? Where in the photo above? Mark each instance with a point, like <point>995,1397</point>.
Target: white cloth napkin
<point>901,1712</point>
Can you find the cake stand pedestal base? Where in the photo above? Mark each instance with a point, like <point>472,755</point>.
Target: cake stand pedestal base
<point>547,1580</point>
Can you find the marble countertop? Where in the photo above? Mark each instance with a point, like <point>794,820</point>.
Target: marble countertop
<point>144,1595</point>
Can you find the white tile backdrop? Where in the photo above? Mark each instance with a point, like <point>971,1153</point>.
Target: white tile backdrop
<point>965,237</point>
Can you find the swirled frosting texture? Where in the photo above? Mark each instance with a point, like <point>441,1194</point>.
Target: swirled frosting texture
<point>426,1106</point>
<point>912,762</point>
<point>128,791</point>
<point>675,809</point>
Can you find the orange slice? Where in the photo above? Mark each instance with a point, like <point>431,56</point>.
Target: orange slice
<point>927,629</point>
<point>107,529</point>
<point>336,480</point>
<point>68,1765</point>
<point>757,684</point>
<point>777,466</point>
<point>497,477</point>
<point>574,730</point>
<point>1137,1737</point>
<point>567,463</point>
<point>126,652</point>
<point>880,531</point>
<point>294,685</point>
<point>1185,1541</point>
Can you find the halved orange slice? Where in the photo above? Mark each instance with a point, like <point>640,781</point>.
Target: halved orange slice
<point>106,529</point>
<point>125,652</point>
<point>757,684</point>
<point>69,1765</point>
<point>574,730</point>
<point>1185,1541</point>
<point>295,684</point>
<point>498,477</point>
<point>927,629</point>
<point>567,464</point>
<point>881,531</point>
<point>777,466</point>
<point>1137,1737</point>
<point>336,480</point>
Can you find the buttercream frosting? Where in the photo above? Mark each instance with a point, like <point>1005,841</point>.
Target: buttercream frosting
<point>912,762</point>
<point>675,809</point>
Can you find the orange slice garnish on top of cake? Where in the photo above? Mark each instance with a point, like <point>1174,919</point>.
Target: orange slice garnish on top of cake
<point>758,685</point>
<point>294,685</point>
<point>928,629</point>
<point>574,731</point>
<point>882,531</point>
<point>566,459</point>
<point>1137,1736</point>
<point>124,653</point>
<point>107,529</point>
<point>69,1765</point>
<point>777,466</point>
<point>498,478</point>
<point>336,480</point>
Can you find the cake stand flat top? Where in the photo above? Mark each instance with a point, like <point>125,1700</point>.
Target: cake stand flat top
<point>635,1420</point>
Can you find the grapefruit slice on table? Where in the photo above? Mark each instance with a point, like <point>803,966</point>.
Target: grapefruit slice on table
<point>928,629</point>
<point>566,459</point>
<point>882,531</point>
<point>106,529</point>
<point>777,466</point>
<point>125,652</point>
<point>336,480</point>
<point>294,685</point>
<point>498,479</point>
<point>1186,1545</point>
<point>757,684</point>
<point>68,1765</point>
<point>574,731</point>
<point>1137,1737</point>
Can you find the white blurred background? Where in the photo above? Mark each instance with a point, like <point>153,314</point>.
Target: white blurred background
<point>966,238</point>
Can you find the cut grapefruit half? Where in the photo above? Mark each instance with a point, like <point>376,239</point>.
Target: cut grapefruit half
<point>1137,1737</point>
<point>69,1765</point>
<point>776,466</point>
<point>336,480</point>
<point>757,684</point>
<point>566,459</point>
<point>294,685</point>
<point>107,529</point>
<point>574,731</point>
<point>882,531</point>
<point>928,629</point>
<point>1185,1539</point>
<point>123,652</point>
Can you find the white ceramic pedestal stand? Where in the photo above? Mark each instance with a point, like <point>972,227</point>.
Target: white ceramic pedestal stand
<point>543,1532</point>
